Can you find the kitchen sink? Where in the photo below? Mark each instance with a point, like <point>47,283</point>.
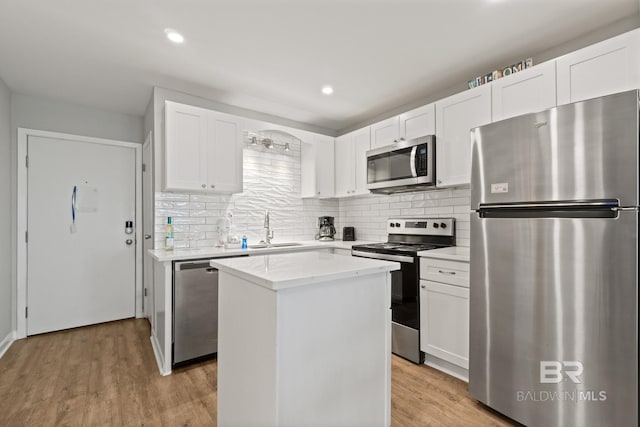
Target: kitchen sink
<point>273,245</point>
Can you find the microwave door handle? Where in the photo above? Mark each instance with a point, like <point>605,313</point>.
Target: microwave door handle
<point>413,162</point>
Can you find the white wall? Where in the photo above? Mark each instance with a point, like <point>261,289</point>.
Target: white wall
<point>45,114</point>
<point>6,306</point>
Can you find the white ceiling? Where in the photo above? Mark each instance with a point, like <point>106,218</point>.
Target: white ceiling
<point>274,56</point>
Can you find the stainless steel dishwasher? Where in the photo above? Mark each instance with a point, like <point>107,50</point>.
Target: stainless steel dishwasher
<point>195,310</point>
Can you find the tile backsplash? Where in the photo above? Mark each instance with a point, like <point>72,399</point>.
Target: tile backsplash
<point>272,181</point>
<point>369,214</point>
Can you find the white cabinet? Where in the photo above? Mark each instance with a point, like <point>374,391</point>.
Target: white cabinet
<point>444,314</point>
<point>385,132</point>
<point>418,122</point>
<point>202,150</point>
<point>317,167</point>
<point>527,91</point>
<point>412,124</point>
<point>351,163</point>
<point>455,117</point>
<point>604,68</point>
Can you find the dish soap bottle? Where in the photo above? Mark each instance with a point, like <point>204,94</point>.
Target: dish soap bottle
<point>168,235</point>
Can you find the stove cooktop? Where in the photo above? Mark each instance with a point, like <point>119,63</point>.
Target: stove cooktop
<point>399,248</point>
<point>408,236</point>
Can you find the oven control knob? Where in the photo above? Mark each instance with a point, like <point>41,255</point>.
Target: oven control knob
<point>435,225</point>
<point>391,224</point>
<point>443,225</point>
<point>397,224</point>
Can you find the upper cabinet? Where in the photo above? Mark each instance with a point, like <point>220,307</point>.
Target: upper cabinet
<point>409,125</point>
<point>351,163</point>
<point>317,167</point>
<point>202,150</point>
<point>418,122</point>
<point>385,132</point>
<point>455,117</point>
<point>603,68</point>
<point>527,91</point>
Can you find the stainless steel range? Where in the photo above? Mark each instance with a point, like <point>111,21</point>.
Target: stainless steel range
<point>406,237</point>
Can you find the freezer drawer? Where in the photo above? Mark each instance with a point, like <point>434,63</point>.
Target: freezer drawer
<point>582,151</point>
<point>553,319</point>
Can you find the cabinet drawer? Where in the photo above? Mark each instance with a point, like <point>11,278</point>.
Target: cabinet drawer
<point>445,271</point>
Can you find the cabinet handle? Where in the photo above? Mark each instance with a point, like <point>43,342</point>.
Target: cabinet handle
<point>212,186</point>
<point>318,193</point>
<point>439,181</point>
<point>423,286</point>
<point>395,140</point>
<point>451,273</point>
<point>204,185</point>
<point>402,138</point>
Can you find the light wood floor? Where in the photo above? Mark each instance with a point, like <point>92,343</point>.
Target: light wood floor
<point>106,375</point>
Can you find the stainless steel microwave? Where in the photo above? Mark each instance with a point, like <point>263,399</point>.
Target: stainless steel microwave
<point>401,167</point>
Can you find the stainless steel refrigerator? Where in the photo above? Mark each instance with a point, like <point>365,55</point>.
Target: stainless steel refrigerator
<point>554,265</point>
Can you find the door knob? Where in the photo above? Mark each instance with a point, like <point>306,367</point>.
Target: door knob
<point>147,236</point>
<point>204,185</point>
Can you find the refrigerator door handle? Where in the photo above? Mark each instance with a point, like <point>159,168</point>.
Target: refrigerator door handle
<point>620,209</point>
<point>613,204</point>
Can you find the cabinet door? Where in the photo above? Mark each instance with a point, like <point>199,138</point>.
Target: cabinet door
<point>528,91</point>
<point>455,117</point>
<point>601,69</point>
<point>224,153</point>
<point>385,132</point>
<point>444,322</point>
<point>185,144</point>
<point>361,144</point>
<point>324,160</point>
<point>308,169</point>
<point>418,122</point>
<point>344,149</point>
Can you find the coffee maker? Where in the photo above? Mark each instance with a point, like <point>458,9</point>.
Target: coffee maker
<point>326,228</point>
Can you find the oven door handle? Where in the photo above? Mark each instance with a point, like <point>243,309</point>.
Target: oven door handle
<point>385,257</point>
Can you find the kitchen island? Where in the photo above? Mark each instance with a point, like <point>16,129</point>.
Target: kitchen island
<point>304,339</point>
<point>160,300</point>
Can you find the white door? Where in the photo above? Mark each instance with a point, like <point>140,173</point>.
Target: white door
<point>84,272</point>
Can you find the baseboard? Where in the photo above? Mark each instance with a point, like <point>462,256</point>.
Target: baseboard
<point>6,342</point>
<point>158,354</point>
<point>447,367</point>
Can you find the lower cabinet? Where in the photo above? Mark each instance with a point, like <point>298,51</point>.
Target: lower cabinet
<point>444,315</point>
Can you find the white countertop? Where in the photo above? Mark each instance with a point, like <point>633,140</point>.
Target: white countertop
<point>282,271</point>
<point>183,254</point>
<point>453,253</point>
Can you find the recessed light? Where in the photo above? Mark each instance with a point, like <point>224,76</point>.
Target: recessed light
<point>327,90</point>
<point>174,36</point>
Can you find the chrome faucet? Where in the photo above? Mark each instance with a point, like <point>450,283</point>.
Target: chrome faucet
<point>268,230</point>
